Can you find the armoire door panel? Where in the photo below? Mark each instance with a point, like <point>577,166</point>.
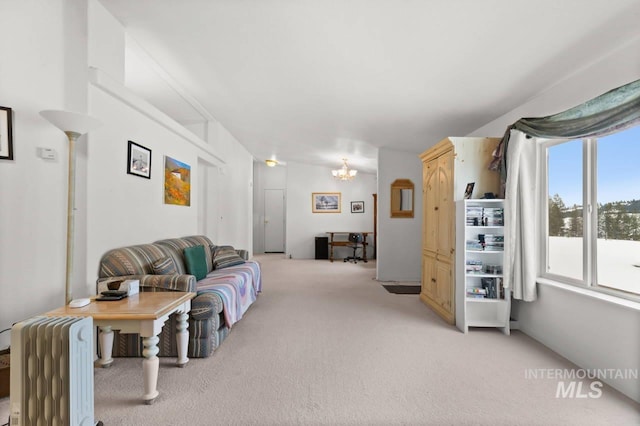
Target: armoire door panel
<point>429,287</point>
<point>430,207</point>
<point>446,212</point>
<point>444,286</point>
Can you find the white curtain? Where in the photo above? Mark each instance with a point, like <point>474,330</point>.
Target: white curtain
<point>520,248</point>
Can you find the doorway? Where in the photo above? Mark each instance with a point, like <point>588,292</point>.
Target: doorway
<point>274,220</point>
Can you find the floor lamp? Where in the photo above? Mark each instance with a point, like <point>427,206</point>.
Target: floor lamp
<point>73,125</point>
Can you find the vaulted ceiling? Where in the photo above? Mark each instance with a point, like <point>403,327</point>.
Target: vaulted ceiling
<point>316,81</point>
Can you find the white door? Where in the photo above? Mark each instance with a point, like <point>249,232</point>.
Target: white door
<point>274,220</point>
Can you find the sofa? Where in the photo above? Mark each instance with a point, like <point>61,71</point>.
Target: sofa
<point>225,280</point>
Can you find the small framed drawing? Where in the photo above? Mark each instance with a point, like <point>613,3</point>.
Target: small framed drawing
<point>357,207</point>
<point>139,160</point>
<point>326,202</point>
<point>6,137</point>
<point>469,190</point>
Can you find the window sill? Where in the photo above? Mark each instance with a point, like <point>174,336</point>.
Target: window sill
<point>594,294</point>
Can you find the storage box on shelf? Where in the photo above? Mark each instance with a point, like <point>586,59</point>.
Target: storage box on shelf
<point>481,299</point>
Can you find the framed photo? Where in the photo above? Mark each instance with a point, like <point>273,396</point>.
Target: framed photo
<point>139,160</point>
<point>6,137</point>
<point>469,190</point>
<point>177,182</point>
<point>326,202</point>
<point>357,207</point>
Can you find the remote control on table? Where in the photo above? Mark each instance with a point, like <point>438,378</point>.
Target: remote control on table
<point>110,293</point>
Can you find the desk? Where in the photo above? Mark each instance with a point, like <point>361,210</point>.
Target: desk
<point>143,313</point>
<point>338,243</point>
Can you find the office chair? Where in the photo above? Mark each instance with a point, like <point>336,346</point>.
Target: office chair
<point>355,242</point>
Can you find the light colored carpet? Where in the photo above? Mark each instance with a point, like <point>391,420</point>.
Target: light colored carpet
<point>325,344</point>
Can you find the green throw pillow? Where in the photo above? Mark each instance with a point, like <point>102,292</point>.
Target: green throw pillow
<point>196,261</point>
<point>225,256</point>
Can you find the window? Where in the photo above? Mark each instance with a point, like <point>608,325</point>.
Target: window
<point>565,236</point>
<point>597,246</point>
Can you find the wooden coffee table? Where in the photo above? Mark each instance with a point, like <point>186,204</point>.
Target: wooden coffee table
<point>142,313</point>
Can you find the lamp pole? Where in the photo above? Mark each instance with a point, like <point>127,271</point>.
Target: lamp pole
<point>71,198</point>
<point>81,124</point>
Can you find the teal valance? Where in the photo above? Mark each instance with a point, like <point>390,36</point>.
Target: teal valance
<point>608,113</point>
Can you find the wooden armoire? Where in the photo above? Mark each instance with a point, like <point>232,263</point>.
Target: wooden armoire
<point>447,168</point>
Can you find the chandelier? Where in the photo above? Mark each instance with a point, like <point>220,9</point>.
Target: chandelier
<point>344,173</point>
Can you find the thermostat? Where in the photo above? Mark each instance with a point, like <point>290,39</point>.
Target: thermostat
<point>47,153</point>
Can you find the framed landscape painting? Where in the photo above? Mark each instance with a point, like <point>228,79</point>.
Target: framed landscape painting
<point>326,202</point>
<point>177,182</point>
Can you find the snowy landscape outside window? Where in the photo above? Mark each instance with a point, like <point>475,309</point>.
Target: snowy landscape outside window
<point>603,175</point>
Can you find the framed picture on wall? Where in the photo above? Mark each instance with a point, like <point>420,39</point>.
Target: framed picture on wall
<point>139,160</point>
<point>357,207</point>
<point>177,182</point>
<point>326,202</point>
<point>6,137</point>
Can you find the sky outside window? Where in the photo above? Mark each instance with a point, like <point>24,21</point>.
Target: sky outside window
<point>565,172</point>
<point>618,169</point>
<point>619,166</point>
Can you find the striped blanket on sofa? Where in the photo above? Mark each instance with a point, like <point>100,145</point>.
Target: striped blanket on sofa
<point>238,287</point>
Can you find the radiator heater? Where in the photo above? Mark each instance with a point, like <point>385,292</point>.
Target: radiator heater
<point>52,372</point>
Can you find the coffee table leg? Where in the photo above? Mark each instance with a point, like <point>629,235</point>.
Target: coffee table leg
<point>106,346</point>
<point>182,338</point>
<point>150,365</point>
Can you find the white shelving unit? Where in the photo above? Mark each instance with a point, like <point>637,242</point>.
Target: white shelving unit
<point>480,299</point>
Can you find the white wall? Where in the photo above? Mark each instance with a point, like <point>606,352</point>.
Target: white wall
<point>303,226</point>
<point>106,42</point>
<point>33,218</point>
<point>591,332</point>
<point>236,193</point>
<point>399,239</point>
<point>46,66</point>
<point>126,209</point>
